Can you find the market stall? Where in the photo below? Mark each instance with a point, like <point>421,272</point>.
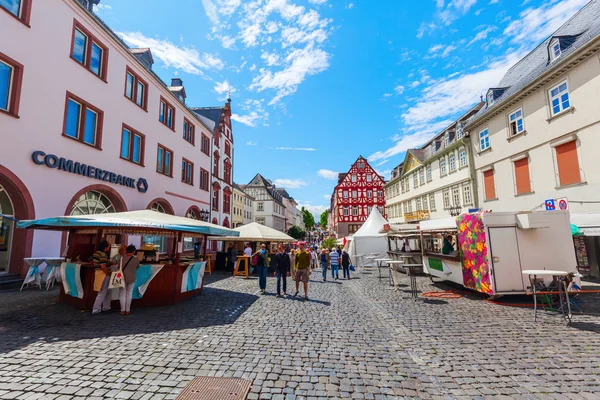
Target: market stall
<point>158,282</point>
<point>404,243</point>
<point>488,251</point>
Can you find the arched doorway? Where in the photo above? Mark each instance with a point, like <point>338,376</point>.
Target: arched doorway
<point>188,242</point>
<point>162,243</point>
<point>226,222</point>
<point>92,202</point>
<point>15,203</point>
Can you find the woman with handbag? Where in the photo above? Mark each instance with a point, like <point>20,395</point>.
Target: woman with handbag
<point>262,265</point>
<point>130,266</point>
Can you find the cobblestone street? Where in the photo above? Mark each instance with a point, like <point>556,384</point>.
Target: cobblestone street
<point>354,339</point>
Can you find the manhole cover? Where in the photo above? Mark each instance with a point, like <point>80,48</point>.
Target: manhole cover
<point>210,388</point>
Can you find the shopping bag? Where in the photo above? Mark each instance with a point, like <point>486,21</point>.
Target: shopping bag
<point>99,276</point>
<point>117,280</point>
<point>352,267</point>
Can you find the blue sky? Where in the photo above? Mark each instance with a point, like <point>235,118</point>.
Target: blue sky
<point>316,83</point>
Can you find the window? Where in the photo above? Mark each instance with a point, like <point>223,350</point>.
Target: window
<point>227,171</point>
<point>555,51</point>
<point>369,194</point>
<point>166,113</point>
<point>568,163</point>
<point>189,131</point>
<point>409,206</point>
<point>345,211</point>
<point>421,176</point>
<point>559,98</point>
<point>484,140</point>
<point>215,198</point>
<point>407,184</point>
<point>355,211</point>
<point>467,198</point>
<point>415,180</point>
<point>353,178</point>
<point>354,194</point>
<point>381,210</point>
<point>132,145</point>
<point>379,193</point>
<point>216,164</point>
<point>489,185</point>
<point>345,194</point>
<point>432,202</point>
<point>187,171</point>
<point>204,179</point>
<point>515,122</point>
<point>406,207</point>
<point>442,166</point>
<point>462,158</point>
<point>83,122</point>
<point>369,178</point>
<point>20,9</point>
<point>425,206</point>
<point>402,186</point>
<point>446,198</point>
<point>490,98</point>
<point>448,139</point>
<point>361,165</point>
<point>136,89</point>
<point>452,162</point>
<point>456,196</point>
<point>217,140</point>
<point>88,51</point>
<point>436,146</point>
<point>418,204</point>
<point>226,201</point>
<point>205,145</point>
<point>260,206</point>
<point>164,161</point>
<point>228,148</point>
<point>11,74</point>
<point>429,177</point>
<point>522,180</point>
<point>460,131</point>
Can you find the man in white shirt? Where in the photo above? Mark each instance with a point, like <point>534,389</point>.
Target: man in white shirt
<point>248,250</point>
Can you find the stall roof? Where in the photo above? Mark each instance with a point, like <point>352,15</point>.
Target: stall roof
<point>130,221</point>
<point>255,232</point>
<point>395,229</point>
<point>439,224</point>
<point>588,223</point>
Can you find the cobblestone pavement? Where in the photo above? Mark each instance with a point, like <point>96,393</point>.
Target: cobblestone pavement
<point>354,339</point>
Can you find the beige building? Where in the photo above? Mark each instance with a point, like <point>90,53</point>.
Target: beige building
<point>242,207</point>
<point>436,179</point>
<point>538,136</point>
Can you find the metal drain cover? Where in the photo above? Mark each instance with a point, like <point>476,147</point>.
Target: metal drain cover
<point>211,388</point>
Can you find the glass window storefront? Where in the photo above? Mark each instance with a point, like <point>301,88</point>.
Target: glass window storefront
<point>6,229</point>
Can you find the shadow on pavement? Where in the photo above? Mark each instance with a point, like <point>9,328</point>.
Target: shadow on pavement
<point>42,318</point>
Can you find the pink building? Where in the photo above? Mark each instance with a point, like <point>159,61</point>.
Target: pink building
<point>87,127</point>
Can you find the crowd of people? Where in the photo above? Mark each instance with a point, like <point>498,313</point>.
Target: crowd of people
<point>298,263</point>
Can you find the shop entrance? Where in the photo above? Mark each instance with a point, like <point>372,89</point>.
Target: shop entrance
<point>6,229</point>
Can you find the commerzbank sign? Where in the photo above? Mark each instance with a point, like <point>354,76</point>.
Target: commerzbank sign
<point>77,168</point>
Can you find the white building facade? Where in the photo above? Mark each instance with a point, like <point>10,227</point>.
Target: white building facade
<point>104,134</point>
<point>436,180</point>
<point>268,204</point>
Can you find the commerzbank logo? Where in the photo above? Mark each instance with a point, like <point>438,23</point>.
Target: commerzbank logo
<point>74,167</point>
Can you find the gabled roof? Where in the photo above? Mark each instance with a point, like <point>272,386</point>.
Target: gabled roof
<point>419,154</point>
<point>582,28</point>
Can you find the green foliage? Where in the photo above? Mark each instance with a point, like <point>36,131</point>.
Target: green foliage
<point>308,218</point>
<point>296,232</point>
<point>324,218</point>
<point>329,243</point>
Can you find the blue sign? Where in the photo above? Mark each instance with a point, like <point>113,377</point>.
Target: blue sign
<point>77,168</point>
<point>550,206</point>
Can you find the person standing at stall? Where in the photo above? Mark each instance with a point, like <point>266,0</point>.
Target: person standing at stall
<point>346,264</point>
<point>231,257</point>
<point>130,267</point>
<point>262,265</point>
<point>324,263</point>
<point>100,261</point>
<point>281,263</point>
<point>302,267</point>
<point>448,246</point>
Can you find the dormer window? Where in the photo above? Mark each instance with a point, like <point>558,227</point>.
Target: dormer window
<point>490,98</point>
<point>459,131</point>
<point>437,145</point>
<point>555,51</point>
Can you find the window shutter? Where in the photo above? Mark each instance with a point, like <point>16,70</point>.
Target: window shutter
<point>488,182</point>
<point>568,164</point>
<point>522,176</point>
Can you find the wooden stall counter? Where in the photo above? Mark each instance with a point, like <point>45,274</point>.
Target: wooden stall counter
<point>163,288</point>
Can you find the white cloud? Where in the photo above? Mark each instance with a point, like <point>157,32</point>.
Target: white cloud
<point>535,24</point>
<point>327,197</point>
<point>445,16</point>
<point>482,34</point>
<point>250,143</point>
<point>387,95</point>
<point>415,84</point>
<point>295,148</point>
<point>227,41</point>
<point>186,59</point>
<point>270,58</point>
<point>255,113</point>
<point>317,1</point>
<point>350,6</point>
<point>494,2</point>
<point>211,11</point>
<point>248,119</point>
<point>399,89</point>
<point>224,88</point>
<point>289,183</point>
<point>316,211</point>
<point>100,7</point>
<point>327,174</point>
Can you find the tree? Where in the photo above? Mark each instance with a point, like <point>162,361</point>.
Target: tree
<point>324,218</point>
<point>329,243</point>
<point>296,232</point>
<point>308,218</point>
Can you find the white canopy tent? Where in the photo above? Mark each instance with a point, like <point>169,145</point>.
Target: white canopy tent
<point>588,223</point>
<point>368,240</point>
<point>255,232</point>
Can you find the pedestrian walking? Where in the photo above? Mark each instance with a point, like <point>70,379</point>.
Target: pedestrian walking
<point>103,265</point>
<point>346,261</point>
<point>262,265</point>
<point>334,261</point>
<point>281,263</point>
<point>324,263</point>
<point>293,263</point>
<point>130,267</point>
<point>302,267</point>
<point>313,259</point>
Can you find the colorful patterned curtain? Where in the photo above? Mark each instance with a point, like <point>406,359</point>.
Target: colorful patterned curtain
<point>473,244</point>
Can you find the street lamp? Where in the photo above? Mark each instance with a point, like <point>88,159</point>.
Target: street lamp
<point>455,210</point>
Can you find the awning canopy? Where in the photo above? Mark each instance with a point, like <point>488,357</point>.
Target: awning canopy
<point>440,224</point>
<point>255,232</point>
<point>588,223</point>
<point>401,229</point>
<point>132,222</point>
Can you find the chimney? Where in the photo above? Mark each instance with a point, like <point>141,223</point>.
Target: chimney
<point>176,82</point>
<point>177,89</point>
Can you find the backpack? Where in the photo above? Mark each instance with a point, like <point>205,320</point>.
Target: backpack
<point>255,260</point>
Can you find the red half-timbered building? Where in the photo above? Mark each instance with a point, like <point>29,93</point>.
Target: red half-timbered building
<point>357,192</point>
